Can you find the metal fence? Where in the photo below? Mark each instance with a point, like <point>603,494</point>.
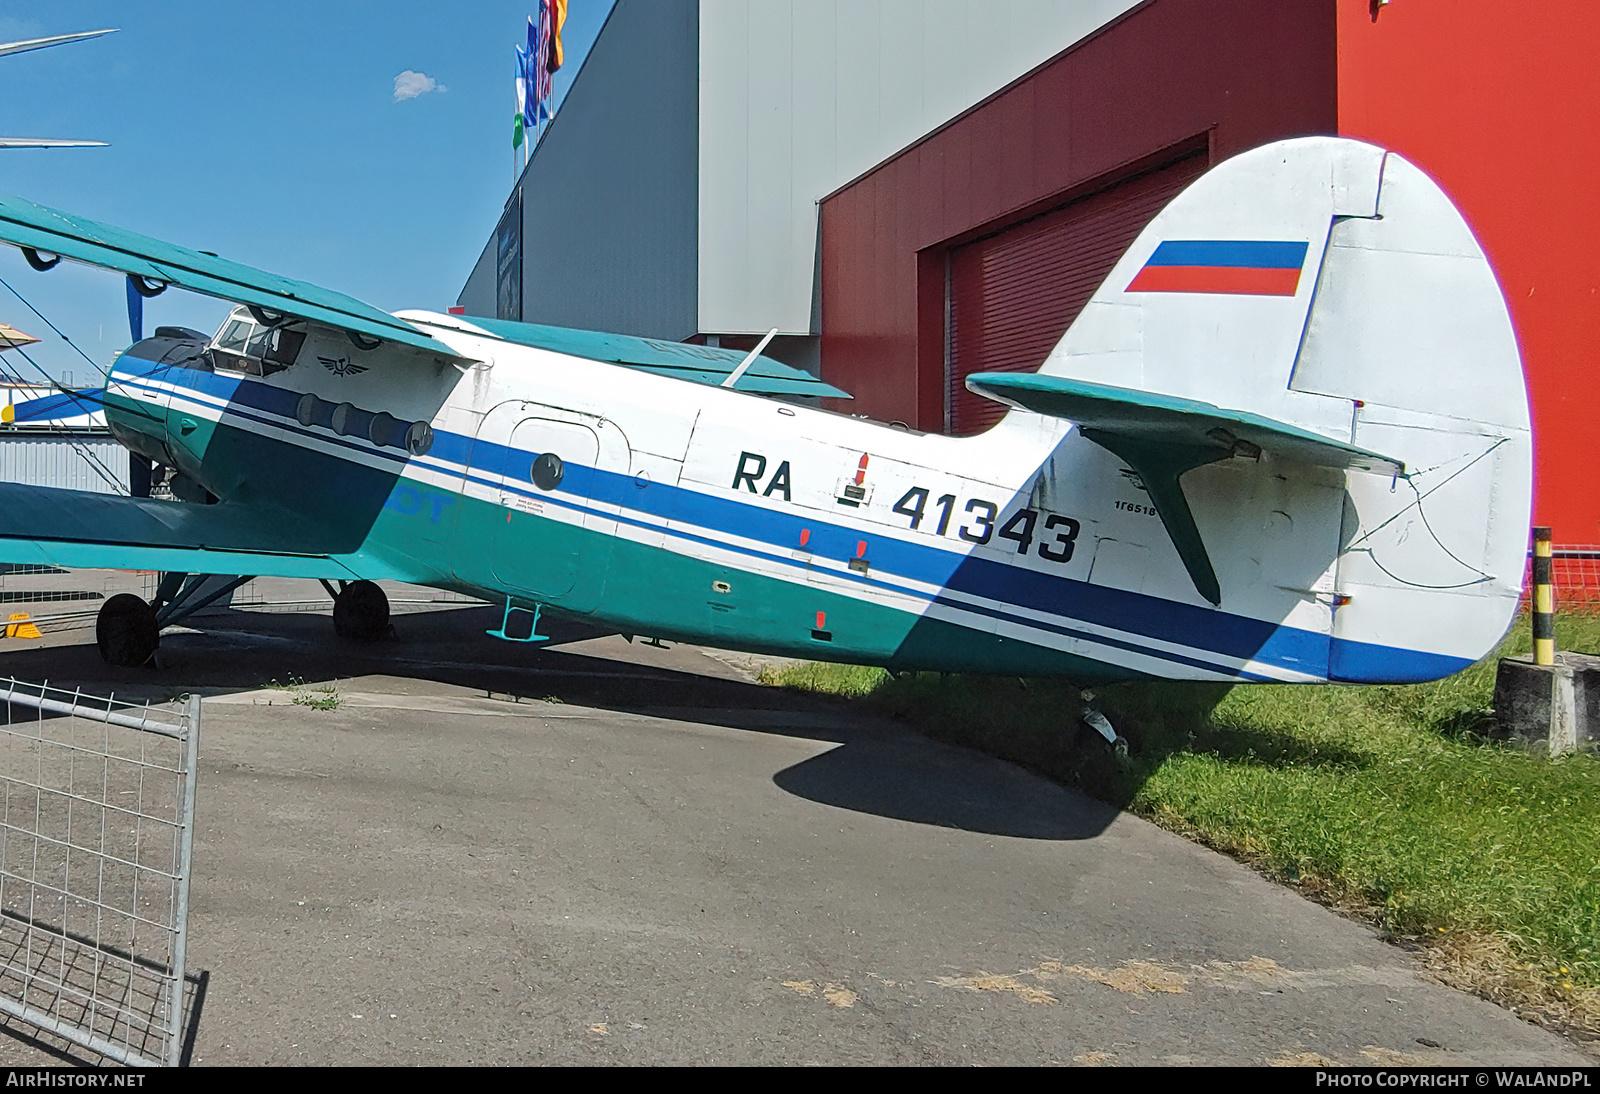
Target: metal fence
<point>1575,571</point>
<point>96,840</point>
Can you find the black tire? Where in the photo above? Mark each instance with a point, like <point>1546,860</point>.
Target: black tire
<point>361,612</point>
<point>125,631</point>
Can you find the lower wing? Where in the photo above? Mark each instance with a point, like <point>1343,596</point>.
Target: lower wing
<point>81,529</point>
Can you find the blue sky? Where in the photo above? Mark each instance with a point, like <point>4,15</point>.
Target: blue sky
<point>269,134</point>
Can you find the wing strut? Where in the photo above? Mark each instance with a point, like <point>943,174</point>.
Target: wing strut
<point>1159,466</point>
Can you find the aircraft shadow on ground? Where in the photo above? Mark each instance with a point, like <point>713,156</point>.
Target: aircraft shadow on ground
<point>879,768</point>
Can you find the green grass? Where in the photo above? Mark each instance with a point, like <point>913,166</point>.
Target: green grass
<point>1385,800</point>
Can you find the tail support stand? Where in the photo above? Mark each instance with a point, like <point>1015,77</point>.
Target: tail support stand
<point>1101,725</point>
<point>504,632</point>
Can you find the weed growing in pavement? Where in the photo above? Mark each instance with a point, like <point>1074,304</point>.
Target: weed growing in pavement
<point>301,694</point>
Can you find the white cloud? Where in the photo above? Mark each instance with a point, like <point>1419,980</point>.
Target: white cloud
<point>409,84</point>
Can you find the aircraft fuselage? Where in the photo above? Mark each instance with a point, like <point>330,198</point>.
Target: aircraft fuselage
<point>666,508</point>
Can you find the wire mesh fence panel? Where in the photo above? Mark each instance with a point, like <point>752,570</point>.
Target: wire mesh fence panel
<point>1575,571</point>
<point>96,803</point>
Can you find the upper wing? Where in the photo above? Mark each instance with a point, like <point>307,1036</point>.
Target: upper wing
<point>42,230</point>
<point>679,360</point>
<point>53,40</point>
<point>77,528</point>
<point>46,142</point>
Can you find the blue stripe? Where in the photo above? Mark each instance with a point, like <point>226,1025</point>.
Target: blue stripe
<point>1244,253</point>
<point>1225,635</point>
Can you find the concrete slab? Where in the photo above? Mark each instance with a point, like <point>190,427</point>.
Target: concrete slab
<point>609,853</point>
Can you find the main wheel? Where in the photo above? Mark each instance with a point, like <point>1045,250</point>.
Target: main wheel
<point>361,612</point>
<point>126,631</point>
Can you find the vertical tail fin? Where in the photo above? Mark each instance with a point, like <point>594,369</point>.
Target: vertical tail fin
<point>1331,286</point>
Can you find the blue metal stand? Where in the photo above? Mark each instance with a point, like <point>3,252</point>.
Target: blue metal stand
<point>533,631</point>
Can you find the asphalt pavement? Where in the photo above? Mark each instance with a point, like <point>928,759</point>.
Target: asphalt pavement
<point>608,852</point>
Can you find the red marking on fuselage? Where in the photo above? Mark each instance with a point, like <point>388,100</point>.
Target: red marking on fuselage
<point>861,549</point>
<point>822,619</point>
<point>805,536</point>
<point>861,470</point>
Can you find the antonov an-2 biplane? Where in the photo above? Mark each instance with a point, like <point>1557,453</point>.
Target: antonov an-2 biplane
<point>1287,440</point>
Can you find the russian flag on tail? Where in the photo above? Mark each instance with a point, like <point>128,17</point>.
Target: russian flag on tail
<point>1235,266</point>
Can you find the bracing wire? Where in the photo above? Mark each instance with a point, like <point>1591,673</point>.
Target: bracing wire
<point>95,463</point>
<point>1421,497</point>
<point>1373,558</point>
<point>1422,512</point>
<point>105,373</point>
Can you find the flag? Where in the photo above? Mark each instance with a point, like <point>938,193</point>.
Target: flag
<point>520,122</point>
<point>558,18</point>
<point>539,45</point>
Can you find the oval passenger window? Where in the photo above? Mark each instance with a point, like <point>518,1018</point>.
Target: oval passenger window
<point>547,471</point>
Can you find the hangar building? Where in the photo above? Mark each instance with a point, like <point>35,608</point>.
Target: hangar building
<point>912,192</point>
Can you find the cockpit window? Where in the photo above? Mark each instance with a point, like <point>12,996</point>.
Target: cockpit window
<point>248,347</point>
<point>234,334</point>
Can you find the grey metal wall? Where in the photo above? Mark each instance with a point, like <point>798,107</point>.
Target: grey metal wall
<point>676,192</point>
<point>609,197</point>
<point>477,296</point>
<point>54,459</point>
<point>798,97</point>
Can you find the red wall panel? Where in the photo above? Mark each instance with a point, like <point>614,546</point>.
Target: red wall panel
<point>1500,103</point>
<point>1238,74</point>
<point>1010,296</point>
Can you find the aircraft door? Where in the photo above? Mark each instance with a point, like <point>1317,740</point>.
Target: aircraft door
<point>558,493</point>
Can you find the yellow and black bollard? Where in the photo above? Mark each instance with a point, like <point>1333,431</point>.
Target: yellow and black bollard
<point>1544,601</point>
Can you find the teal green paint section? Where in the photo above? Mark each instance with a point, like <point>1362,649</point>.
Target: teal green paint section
<point>1167,419</point>
<point>43,229</point>
<point>653,591</point>
<point>680,360</point>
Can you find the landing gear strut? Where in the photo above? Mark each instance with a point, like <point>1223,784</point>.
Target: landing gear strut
<point>128,630</point>
<point>360,610</point>
<point>1102,725</point>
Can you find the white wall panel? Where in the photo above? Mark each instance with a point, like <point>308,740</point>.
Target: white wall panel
<point>798,97</point>
<point>70,462</point>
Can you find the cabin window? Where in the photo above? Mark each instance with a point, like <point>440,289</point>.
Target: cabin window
<point>276,348</point>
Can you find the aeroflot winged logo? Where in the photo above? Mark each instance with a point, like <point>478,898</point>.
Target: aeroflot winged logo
<point>1233,266</point>
<point>341,366</point>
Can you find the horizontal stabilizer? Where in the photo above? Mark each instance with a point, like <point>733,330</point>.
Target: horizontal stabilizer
<point>1163,436</point>
<point>1147,416</point>
<point>41,231</point>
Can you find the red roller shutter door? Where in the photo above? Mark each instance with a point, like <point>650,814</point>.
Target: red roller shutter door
<point>1009,297</point>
